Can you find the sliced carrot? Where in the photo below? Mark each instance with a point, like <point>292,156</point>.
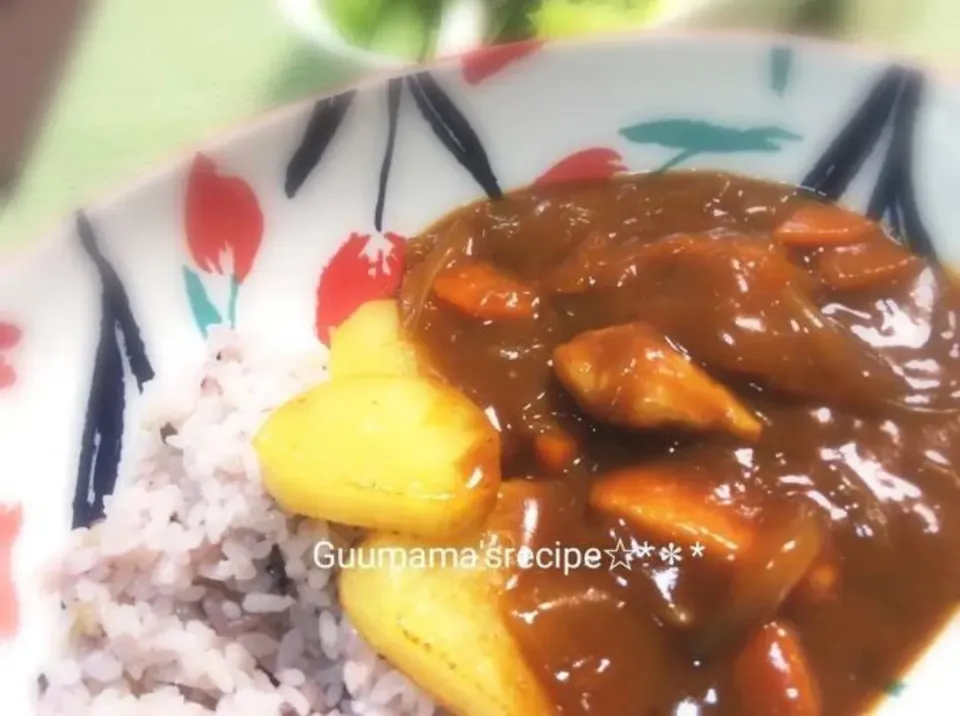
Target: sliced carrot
<point>817,225</point>
<point>482,291</point>
<point>662,501</point>
<point>867,265</point>
<point>630,375</point>
<point>556,450</point>
<point>773,677</point>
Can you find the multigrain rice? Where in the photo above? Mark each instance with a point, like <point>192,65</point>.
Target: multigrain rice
<point>196,595</point>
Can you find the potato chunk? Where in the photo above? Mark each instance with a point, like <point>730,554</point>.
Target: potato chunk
<point>779,561</point>
<point>370,341</point>
<point>631,376</point>
<point>443,624</point>
<point>773,677</point>
<point>385,452</point>
<point>787,545</point>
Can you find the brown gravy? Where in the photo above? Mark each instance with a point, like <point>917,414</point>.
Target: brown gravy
<point>857,387</point>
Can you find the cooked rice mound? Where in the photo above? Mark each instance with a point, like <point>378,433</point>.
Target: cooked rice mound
<point>196,595</point>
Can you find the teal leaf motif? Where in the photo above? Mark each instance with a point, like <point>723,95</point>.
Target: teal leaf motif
<point>204,312</point>
<point>232,302</point>
<point>781,65</point>
<point>894,688</point>
<point>697,136</point>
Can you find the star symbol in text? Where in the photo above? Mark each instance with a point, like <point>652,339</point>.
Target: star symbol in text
<point>619,556</point>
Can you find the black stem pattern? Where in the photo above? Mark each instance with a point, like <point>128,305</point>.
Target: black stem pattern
<point>902,212</point>
<point>882,200</point>
<point>394,94</point>
<point>325,120</point>
<point>845,156</point>
<point>454,131</point>
<point>102,440</point>
<point>894,101</point>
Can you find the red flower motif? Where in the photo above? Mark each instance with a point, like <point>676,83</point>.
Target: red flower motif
<point>10,336</point>
<point>364,268</point>
<point>8,376</point>
<point>11,520</point>
<point>222,217</point>
<point>593,164</point>
<point>480,64</point>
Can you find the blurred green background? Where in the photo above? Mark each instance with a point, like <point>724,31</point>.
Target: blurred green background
<point>193,67</point>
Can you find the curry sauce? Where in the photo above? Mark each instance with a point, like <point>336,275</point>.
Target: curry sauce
<point>726,371</point>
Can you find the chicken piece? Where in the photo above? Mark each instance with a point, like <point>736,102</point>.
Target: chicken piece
<point>482,291</point>
<point>598,264</point>
<point>773,677</point>
<point>816,225</point>
<point>767,327</point>
<point>663,503</point>
<point>866,266</point>
<point>632,376</point>
<point>764,560</point>
<point>740,305</point>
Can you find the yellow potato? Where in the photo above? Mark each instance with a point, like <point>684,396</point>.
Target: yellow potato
<point>397,453</point>
<point>370,341</point>
<point>442,625</point>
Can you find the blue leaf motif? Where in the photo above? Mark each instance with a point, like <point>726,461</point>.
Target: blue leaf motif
<point>781,65</point>
<point>701,136</point>
<point>696,136</point>
<point>204,312</point>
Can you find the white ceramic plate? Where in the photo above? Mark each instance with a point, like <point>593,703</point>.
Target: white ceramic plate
<point>282,197</point>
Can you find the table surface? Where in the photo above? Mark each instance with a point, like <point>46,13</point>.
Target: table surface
<point>131,98</point>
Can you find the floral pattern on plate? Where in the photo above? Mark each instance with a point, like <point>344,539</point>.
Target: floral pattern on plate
<point>342,184</point>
